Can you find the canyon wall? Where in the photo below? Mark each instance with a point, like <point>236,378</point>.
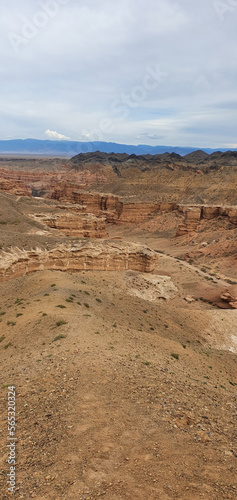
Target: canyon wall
<point>194,214</point>
<point>67,186</point>
<point>79,225</point>
<point>106,256</point>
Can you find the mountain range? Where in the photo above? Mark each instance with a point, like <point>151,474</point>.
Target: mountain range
<point>72,148</point>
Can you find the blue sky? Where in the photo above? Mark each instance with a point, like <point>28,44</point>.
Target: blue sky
<point>145,71</point>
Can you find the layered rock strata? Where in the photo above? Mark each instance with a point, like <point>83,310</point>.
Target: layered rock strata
<point>194,214</point>
<point>191,221</point>
<point>106,256</point>
<point>75,224</point>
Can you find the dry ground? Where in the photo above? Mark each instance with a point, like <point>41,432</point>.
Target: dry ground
<point>105,410</point>
<point>118,396</point>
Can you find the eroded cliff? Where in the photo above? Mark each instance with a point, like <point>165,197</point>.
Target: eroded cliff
<point>106,256</point>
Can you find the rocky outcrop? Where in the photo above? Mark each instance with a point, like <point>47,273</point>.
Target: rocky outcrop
<point>230,297</point>
<point>135,213</point>
<point>231,212</point>
<point>195,213</point>
<point>59,185</point>
<point>191,221</point>
<point>106,256</point>
<point>10,186</point>
<point>150,287</point>
<point>75,224</point>
<point>210,212</point>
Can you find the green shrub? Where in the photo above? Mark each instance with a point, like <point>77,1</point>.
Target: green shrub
<point>7,345</point>
<point>61,322</point>
<point>61,336</point>
<point>174,355</point>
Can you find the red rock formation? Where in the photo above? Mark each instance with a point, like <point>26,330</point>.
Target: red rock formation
<point>135,213</point>
<point>191,221</point>
<point>210,212</point>
<point>106,256</point>
<point>230,296</point>
<point>230,212</point>
<point>67,184</point>
<point>75,224</point>
<point>13,187</point>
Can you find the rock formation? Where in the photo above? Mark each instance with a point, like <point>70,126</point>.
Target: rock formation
<point>106,256</point>
<point>191,221</point>
<point>230,297</point>
<point>194,214</point>
<point>79,225</point>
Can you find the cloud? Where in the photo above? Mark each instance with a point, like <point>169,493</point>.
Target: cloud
<point>70,82</point>
<point>55,135</point>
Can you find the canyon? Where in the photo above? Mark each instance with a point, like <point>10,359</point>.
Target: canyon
<point>83,179</point>
<point>118,324</point>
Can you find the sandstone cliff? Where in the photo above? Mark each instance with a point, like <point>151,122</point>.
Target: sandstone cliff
<point>78,225</point>
<point>106,256</point>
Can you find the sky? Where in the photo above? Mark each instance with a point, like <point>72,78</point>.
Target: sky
<point>158,72</point>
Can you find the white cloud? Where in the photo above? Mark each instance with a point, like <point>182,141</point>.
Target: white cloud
<point>55,135</point>
<point>70,83</point>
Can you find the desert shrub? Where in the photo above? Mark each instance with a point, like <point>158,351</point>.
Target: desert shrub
<point>59,337</point>
<point>61,322</point>
<point>174,355</point>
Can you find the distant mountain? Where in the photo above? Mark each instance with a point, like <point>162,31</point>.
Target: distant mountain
<point>72,148</point>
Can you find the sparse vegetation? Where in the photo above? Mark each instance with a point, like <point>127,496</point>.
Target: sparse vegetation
<point>61,322</point>
<point>174,355</point>
<point>7,345</point>
<point>59,337</point>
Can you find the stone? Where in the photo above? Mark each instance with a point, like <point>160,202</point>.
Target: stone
<point>230,296</point>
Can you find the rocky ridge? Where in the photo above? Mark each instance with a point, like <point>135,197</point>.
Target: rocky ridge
<point>104,256</point>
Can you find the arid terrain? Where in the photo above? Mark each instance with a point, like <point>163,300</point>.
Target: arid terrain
<point>118,312</point>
